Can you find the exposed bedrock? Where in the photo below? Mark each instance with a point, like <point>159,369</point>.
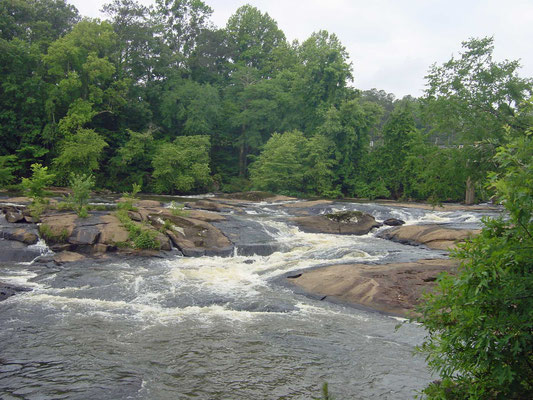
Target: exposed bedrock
<point>435,237</point>
<point>344,223</point>
<point>391,288</point>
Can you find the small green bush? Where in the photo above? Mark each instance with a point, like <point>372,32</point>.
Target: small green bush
<point>177,209</point>
<point>39,180</point>
<point>141,237</point>
<point>64,206</point>
<point>126,206</point>
<point>38,207</point>
<point>50,237</point>
<point>146,240</point>
<point>129,198</point>
<point>81,185</point>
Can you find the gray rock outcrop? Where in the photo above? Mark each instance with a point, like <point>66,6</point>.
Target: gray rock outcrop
<point>343,223</point>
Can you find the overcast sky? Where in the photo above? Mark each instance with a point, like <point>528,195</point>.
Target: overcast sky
<point>392,43</point>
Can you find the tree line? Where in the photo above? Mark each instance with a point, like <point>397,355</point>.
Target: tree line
<point>160,97</point>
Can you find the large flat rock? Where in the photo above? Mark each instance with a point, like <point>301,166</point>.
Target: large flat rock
<point>308,204</point>
<point>195,238</point>
<point>249,237</point>
<point>433,236</point>
<point>60,222</point>
<point>390,288</point>
<point>112,231</point>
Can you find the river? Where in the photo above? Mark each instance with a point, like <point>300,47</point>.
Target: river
<point>212,327</point>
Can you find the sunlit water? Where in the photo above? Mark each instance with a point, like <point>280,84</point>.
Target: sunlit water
<point>210,327</point>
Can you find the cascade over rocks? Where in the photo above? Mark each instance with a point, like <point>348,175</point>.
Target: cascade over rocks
<point>13,251</point>
<point>215,227</point>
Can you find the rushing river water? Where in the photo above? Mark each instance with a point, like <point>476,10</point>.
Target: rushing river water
<point>211,327</point>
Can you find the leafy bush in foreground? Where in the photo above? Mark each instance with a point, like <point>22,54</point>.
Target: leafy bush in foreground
<point>480,322</point>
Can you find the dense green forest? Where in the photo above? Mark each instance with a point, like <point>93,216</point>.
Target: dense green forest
<point>162,98</point>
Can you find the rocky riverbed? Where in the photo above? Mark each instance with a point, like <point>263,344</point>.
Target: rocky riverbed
<point>215,227</point>
<point>255,298</point>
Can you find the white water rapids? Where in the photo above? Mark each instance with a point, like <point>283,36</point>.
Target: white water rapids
<point>211,327</point>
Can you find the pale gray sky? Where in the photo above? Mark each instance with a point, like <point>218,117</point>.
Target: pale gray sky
<point>392,43</point>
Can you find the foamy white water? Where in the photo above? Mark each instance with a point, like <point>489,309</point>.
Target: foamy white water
<point>211,327</point>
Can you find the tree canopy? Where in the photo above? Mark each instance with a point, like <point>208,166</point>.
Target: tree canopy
<point>111,96</point>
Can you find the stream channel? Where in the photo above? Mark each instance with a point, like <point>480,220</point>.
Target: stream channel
<point>212,327</point>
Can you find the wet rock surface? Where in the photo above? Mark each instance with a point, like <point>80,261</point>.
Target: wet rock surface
<point>7,290</point>
<point>14,216</point>
<point>248,237</point>
<point>436,237</point>
<point>394,288</point>
<point>343,223</point>
<point>393,222</point>
<point>16,231</point>
<point>13,251</point>
<point>224,227</point>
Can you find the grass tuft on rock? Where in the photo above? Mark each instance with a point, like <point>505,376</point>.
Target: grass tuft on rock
<point>140,236</point>
<point>345,216</point>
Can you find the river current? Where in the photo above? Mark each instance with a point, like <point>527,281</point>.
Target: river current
<point>212,327</point>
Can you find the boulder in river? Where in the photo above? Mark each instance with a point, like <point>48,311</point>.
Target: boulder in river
<point>216,205</point>
<point>344,223</point>
<point>391,288</point>
<point>24,233</point>
<point>8,290</point>
<point>14,216</point>
<point>308,204</point>
<point>393,222</point>
<point>68,256</point>
<point>433,236</point>
<point>249,237</point>
<point>196,238</point>
<point>112,231</point>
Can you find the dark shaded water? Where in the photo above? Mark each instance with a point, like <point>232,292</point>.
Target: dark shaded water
<point>211,328</point>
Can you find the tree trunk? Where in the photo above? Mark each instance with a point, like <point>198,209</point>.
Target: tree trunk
<point>242,155</point>
<point>470,192</point>
<point>242,161</point>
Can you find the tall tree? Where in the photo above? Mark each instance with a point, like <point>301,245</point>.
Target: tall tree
<point>36,21</point>
<point>348,126</point>
<point>325,72</point>
<point>183,165</point>
<point>27,27</point>
<point>398,134</point>
<point>179,24</point>
<point>254,38</point>
<point>472,97</point>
